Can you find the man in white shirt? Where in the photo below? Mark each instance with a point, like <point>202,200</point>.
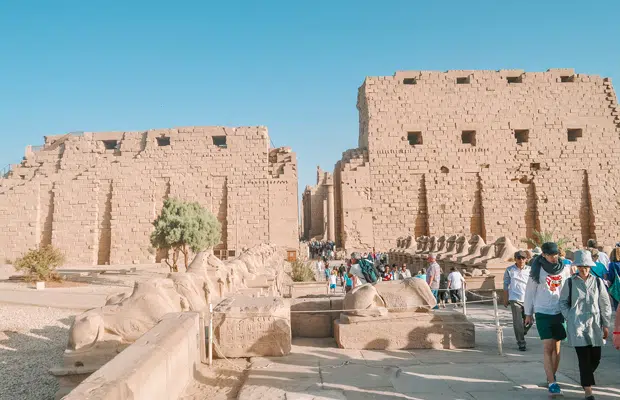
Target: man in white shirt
<point>404,272</point>
<point>515,282</point>
<point>455,285</point>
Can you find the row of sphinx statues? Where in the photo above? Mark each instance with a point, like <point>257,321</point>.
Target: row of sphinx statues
<point>97,335</point>
<point>471,255</point>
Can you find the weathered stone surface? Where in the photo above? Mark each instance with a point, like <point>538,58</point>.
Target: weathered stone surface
<point>252,326</point>
<point>102,200</point>
<point>470,153</point>
<point>314,325</point>
<point>410,330</point>
<point>157,366</point>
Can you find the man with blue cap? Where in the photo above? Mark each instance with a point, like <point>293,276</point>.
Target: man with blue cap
<point>542,299</point>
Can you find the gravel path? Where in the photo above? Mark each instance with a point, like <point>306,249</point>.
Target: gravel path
<point>32,340</point>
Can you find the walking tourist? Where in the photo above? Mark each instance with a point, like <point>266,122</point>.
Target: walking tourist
<point>443,290</point>
<point>602,257</point>
<point>404,272</point>
<point>455,285</point>
<point>342,271</point>
<point>599,270</point>
<point>542,300</point>
<point>585,306</point>
<point>333,279</point>
<point>348,282</point>
<point>421,274</point>
<point>515,281</point>
<point>319,267</point>
<point>613,277</point>
<point>327,269</point>
<point>433,273</point>
<point>617,330</point>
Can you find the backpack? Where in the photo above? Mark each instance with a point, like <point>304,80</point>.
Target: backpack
<point>570,289</point>
<point>368,270</point>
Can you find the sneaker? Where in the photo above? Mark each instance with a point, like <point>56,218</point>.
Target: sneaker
<point>522,348</point>
<point>554,390</point>
<point>590,398</point>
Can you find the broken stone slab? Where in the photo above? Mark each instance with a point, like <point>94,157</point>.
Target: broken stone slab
<point>411,330</point>
<point>251,327</point>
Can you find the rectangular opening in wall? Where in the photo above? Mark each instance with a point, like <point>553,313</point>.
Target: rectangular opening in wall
<point>414,138</point>
<point>110,144</point>
<point>410,81</point>
<point>462,80</point>
<point>522,135</point>
<point>567,78</point>
<point>535,166</point>
<point>220,141</point>
<point>573,134</point>
<point>163,141</point>
<point>515,79</point>
<point>231,253</point>
<point>468,137</point>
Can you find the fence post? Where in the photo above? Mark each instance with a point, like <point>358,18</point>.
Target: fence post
<point>464,299</point>
<point>203,339</point>
<point>498,328</point>
<point>210,334</point>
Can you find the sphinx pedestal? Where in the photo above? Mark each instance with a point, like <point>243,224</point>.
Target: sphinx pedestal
<point>252,327</point>
<point>407,330</point>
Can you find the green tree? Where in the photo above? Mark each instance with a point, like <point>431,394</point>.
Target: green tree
<point>184,226</point>
<point>40,264</point>
<point>544,237</point>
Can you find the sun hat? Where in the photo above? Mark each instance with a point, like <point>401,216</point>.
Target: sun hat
<point>583,258</point>
<point>536,251</point>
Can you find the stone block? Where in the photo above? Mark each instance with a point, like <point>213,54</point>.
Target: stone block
<point>252,326</point>
<point>411,330</point>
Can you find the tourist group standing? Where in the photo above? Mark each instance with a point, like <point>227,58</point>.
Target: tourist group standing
<point>567,300</point>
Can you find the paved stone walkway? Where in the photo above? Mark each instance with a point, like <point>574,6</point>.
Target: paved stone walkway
<point>316,369</point>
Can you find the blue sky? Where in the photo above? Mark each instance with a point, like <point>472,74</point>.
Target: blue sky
<point>294,66</point>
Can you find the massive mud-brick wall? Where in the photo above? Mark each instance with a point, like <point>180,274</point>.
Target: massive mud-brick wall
<point>494,153</point>
<point>95,195</point>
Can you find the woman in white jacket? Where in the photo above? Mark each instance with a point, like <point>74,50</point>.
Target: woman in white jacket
<point>586,307</point>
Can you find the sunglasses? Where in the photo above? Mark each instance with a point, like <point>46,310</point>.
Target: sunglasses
<point>520,258</point>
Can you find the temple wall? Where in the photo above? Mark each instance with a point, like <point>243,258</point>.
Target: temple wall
<point>97,194</point>
<point>500,153</point>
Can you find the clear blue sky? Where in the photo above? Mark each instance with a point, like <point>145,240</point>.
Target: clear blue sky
<point>294,66</point>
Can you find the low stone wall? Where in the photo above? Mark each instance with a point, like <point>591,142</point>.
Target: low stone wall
<point>158,366</point>
<point>302,289</point>
<point>315,325</point>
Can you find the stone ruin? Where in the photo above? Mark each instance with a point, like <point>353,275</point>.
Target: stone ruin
<point>487,153</point>
<point>98,335</point>
<point>482,264</point>
<point>94,195</point>
<point>397,315</point>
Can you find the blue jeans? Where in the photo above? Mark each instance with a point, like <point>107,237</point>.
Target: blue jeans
<point>435,293</point>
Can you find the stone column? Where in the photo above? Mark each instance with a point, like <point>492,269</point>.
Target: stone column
<point>331,219</point>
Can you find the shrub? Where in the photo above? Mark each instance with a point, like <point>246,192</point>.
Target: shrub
<point>544,237</point>
<point>40,264</point>
<point>182,227</point>
<point>302,272</point>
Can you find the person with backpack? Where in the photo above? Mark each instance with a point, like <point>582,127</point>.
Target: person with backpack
<point>613,276</point>
<point>585,305</point>
<point>548,275</point>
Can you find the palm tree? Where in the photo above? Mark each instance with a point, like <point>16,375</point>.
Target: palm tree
<point>544,237</point>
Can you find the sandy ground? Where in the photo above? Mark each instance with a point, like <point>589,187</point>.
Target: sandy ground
<point>222,381</point>
<point>32,340</point>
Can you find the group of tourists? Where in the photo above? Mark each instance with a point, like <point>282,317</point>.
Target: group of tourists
<point>322,249</point>
<point>568,299</point>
